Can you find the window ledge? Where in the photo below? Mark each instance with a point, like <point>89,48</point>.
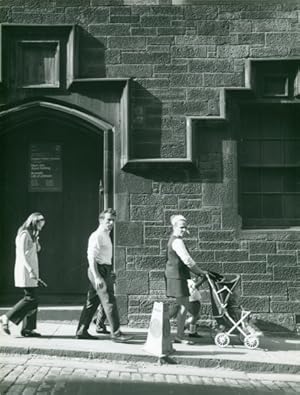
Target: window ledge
<point>284,234</point>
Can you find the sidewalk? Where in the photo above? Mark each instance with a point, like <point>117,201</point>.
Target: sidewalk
<point>275,354</point>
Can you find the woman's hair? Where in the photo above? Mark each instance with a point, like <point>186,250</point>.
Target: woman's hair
<point>31,225</point>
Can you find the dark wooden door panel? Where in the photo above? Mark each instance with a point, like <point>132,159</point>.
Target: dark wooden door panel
<point>71,214</point>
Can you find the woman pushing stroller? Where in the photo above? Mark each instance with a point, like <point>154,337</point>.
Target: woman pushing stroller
<point>178,268</point>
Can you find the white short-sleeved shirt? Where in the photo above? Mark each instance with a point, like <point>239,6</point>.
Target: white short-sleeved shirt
<point>100,247</point>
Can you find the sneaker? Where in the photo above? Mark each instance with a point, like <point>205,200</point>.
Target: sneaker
<point>120,337</point>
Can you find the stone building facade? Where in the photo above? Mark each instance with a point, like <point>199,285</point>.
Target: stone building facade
<point>197,103</point>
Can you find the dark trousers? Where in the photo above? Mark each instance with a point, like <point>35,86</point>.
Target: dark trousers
<point>25,310</point>
<point>107,298</point>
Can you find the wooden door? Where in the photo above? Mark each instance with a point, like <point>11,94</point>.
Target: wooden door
<point>69,202</point>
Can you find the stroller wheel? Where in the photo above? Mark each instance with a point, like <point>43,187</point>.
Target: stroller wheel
<point>222,339</point>
<point>251,342</point>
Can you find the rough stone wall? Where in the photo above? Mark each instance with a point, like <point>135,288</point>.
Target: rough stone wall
<point>179,55</point>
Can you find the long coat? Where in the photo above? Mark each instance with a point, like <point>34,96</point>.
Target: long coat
<point>26,259</point>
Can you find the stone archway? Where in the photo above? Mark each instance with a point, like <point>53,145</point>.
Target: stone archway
<point>69,185</point>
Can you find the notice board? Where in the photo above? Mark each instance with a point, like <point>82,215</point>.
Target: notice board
<point>45,167</point>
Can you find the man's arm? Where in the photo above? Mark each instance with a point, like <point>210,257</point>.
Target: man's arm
<point>93,265</point>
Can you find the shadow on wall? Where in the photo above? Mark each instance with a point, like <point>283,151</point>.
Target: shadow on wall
<point>91,62</point>
<point>146,113</point>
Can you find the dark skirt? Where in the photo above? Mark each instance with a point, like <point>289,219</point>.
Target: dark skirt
<point>177,287</point>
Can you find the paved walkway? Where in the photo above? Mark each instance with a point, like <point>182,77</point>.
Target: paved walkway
<point>276,355</point>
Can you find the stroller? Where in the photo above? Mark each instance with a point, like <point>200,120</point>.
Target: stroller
<point>230,316</point>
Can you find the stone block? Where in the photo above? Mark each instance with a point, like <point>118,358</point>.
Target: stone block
<point>129,233</point>
<point>122,308</point>
<point>186,80</point>
<point>294,293</point>
<point>210,66</point>
<point>146,213</point>
<point>213,28</point>
<point>188,51</point>
<point>285,307</point>
<point>203,256</point>
<point>194,217</point>
<point>257,277</point>
<point>154,262</point>
<point>143,31</point>
<point>252,39</point>
<point>244,267</point>
<point>136,70</point>
<point>190,204</point>
<point>288,245</point>
<point>233,51</point>
<point>282,260</point>
<point>277,322</point>
<point>262,247</point>
<point>86,15</point>
<point>231,256</point>
<point>181,188</point>
<point>145,250</point>
<point>223,79</point>
<point>256,304</point>
<point>271,51</point>
<point>286,273</point>
<point>130,19</point>
<point>240,26</point>
<point>127,42</point>
<point>218,245</point>
<point>132,183</point>
<point>282,39</point>
<point>258,257</point>
<point>154,232</point>
<point>145,57</point>
<point>160,40</point>
<point>153,199</point>
<point>137,282</point>
<point>116,29</point>
<point>222,235</point>
<point>201,11</point>
<point>171,31</point>
<point>157,285</point>
<point>267,288</point>
<point>156,275</point>
<point>155,21</point>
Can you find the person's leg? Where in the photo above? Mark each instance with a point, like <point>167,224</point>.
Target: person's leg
<point>100,320</point>
<point>194,310</point>
<point>25,306</point>
<point>181,315</point>
<point>29,321</point>
<point>108,299</point>
<point>88,311</point>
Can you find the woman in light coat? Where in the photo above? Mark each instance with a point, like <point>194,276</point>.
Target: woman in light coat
<point>26,277</point>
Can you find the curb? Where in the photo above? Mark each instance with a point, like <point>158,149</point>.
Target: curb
<point>248,366</point>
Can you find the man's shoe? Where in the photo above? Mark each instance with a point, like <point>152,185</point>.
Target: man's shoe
<point>102,330</point>
<point>86,336</point>
<point>120,337</point>
<point>29,333</point>
<point>4,327</point>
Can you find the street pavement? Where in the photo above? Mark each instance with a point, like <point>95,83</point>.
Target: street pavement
<point>44,375</point>
<point>275,354</point>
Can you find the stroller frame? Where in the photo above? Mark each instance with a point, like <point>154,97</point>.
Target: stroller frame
<point>222,339</point>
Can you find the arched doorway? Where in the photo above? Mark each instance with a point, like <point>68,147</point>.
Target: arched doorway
<point>52,161</point>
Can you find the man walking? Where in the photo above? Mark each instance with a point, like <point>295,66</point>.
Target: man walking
<point>101,287</point>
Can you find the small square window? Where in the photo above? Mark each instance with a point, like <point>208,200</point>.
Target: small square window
<point>38,64</point>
